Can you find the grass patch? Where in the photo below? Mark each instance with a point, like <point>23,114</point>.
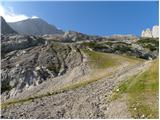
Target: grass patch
<point>149,43</point>
<point>104,60</point>
<point>89,44</point>
<point>101,60</point>
<point>142,91</point>
<point>122,88</point>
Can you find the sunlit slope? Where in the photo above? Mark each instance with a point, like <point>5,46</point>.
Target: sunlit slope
<point>142,93</point>
<point>102,65</point>
<point>99,60</point>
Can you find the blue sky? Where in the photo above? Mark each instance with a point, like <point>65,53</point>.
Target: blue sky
<point>98,18</point>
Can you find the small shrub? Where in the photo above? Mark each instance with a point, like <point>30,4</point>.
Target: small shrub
<point>5,86</point>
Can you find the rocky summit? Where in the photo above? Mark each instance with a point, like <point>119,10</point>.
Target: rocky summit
<point>151,33</point>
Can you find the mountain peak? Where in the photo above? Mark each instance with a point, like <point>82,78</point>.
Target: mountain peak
<point>34,26</point>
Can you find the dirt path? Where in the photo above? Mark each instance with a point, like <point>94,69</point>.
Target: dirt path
<point>86,102</point>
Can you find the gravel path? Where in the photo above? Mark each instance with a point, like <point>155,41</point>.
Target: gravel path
<point>87,102</point>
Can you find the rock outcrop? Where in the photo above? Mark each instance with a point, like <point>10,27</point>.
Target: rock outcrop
<point>72,36</point>
<point>18,42</point>
<point>154,33</point>
<point>28,61</point>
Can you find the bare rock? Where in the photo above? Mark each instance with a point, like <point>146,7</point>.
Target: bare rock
<point>154,33</point>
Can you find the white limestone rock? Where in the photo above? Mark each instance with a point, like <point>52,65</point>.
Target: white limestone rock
<point>147,33</point>
<point>154,33</point>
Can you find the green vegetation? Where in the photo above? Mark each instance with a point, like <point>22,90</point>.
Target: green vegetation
<point>122,48</point>
<point>142,92</point>
<point>5,86</point>
<point>105,60</point>
<point>149,43</point>
<point>148,40</point>
<point>117,43</point>
<point>55,69</point>
<point>117,46</point>
<point>101,60</point>
<point>89,44</point>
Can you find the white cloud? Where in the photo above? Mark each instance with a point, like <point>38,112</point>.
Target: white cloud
<point>10,16</point>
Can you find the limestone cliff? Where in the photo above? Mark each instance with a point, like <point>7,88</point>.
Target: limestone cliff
<point>151,33</point>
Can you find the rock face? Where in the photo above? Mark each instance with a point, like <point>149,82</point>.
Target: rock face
<point>34,26</point>
<point>146,33</point>
<point>5,28</point>
<point>151,33</point>
<point>155,31</point>
<point>28,61</point>
<point>18,42</point>
<point>75,36</point>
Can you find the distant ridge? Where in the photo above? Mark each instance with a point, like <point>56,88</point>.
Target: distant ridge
<point>34,26</point>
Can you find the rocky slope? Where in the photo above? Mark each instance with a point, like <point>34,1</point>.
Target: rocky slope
<point>89,100</point>
<point>63,76</point>
<point>28,61</point>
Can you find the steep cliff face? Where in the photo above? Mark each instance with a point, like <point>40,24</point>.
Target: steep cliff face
<point>154,33</point>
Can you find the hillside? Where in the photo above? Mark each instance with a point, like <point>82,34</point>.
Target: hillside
<point>78,77</point>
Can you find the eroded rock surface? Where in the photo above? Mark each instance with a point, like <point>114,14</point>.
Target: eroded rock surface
<point>28,61</point>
